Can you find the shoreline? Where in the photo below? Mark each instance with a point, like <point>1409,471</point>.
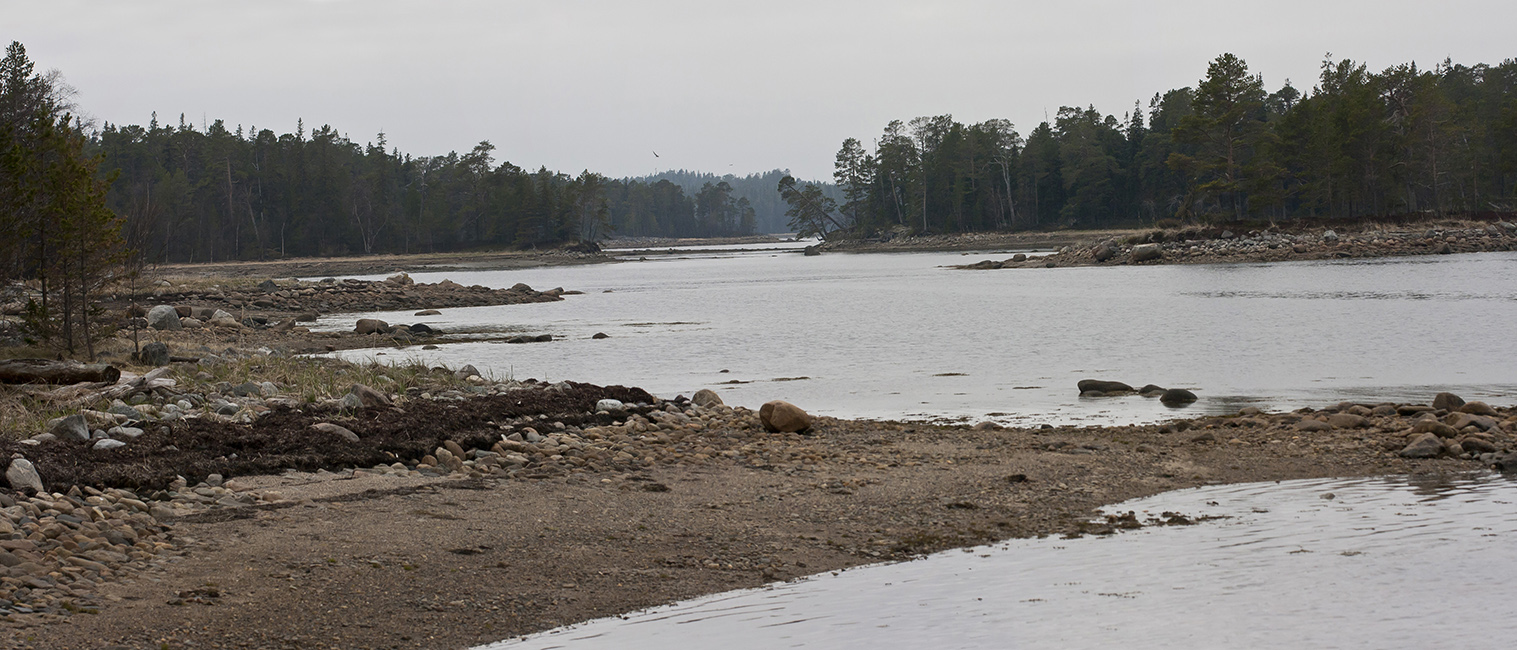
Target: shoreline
<point>614,512</point>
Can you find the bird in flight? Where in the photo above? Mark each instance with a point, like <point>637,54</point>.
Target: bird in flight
<point>655,155</point>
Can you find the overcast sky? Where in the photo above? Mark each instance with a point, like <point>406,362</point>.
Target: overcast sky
<point>709,85</point>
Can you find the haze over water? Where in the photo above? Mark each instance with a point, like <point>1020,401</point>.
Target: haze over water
<point>899,336</point>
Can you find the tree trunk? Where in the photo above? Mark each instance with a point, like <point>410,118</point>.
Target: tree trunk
<point>45,371</point>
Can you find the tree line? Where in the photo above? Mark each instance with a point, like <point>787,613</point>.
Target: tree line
<point>1358,144</point>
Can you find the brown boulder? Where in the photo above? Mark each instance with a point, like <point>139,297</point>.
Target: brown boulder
<point>706,398</point>
<point>1426,445</point>
<point>370,326</point>
<point>336,430</point>
<point>371,398</point>
<point>1478,408</point>
<point>784,417</point>
<point>1447,401</point>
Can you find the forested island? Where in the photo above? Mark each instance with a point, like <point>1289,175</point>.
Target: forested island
<point>1358,144</point>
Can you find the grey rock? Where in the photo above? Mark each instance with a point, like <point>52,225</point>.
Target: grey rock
<point>465,372</point>
<point>164,317</point>
<point>1447,402</point>
<point>706,398</point>
<point>1330,236</point>
<point>268,389</point>
<point>247,389</point>
<point>1088,385</point>
<point>1177,397</point>
<point>341,431</point>
<point>1103,252</point>
<point>1146,252</point>
<point>369,397</point>
<point>370,326</point>
<point>122,409</point>
<point>23,476</point>
<point>105,444</point>
<point>609,405</point>
<point>601,335</point>
<point>350,402</point>
<point>124,432</point>
<point>154,354</point>
<point>1426,445</point>
<point>72,427</point>
<point>1475,445</point>
<point>268,286</point>
<point>1507,463</point>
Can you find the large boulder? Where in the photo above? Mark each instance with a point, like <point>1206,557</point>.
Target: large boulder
<point>72,427</point>
<point>22,476</point>
<point>371,398</point>
<point>154,354</point>
<point>1177,397</point>
<point>1447,402</point>
<point>784,417</point>
<point>336,430</point>
<point>400,280</point>
<point>1478,408</point>
<point>1102,386</point>
<point>706,398</point>
<point>1146,252</point>
<point>1103,252</point>
<point>370,326</point>
<point>164,317</point>
<point>1426,445</point>
<point>1347,421</point>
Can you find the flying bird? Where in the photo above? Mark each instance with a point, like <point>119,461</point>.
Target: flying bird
<point>655,155</point>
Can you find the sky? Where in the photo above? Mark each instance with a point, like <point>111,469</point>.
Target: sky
<point>713,86</point>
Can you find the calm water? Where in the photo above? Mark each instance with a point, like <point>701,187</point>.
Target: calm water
<point>898,336</point>
<point>1379,563</point>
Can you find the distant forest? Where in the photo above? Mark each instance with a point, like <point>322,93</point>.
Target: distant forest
<point>1404,140</point>
<point>760,190</point>
<point>214,193</point>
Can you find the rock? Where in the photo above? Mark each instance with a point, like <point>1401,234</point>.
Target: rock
<point>1426,445</point>
<point>1435,427</point>
<point>1347,421</point>
<point>124,432</point>
<point>72,427</point>
<point>400,280</point>
<point>784,417</point>
<point>543,338</point>
<point>105,444</point>
<point>1507,463</point>
<point>1019,257</point>
<point>221,315</point>
<point>1177,397</point>
<point>706,398</point>
<point>811,251</point>
<point>22,476</point>
<point>154,354</point>
<point>1313,426</point>
<point>1330,237</point>
<point>340,431</point>
<point>307,317</point>
<point>421,328</point>
<point>1447,402</point>
<point>370,326</point>
<point>1151,390</point>
<point>1087,385</point>
<point>1478,408</point>
<point>600,335</point>
<point>1103,252</point>
<point>429,312</point>
<point>609,405</point>
<point>466,372</point>
<point>521,287</point>
<point>1146,252</point>
<point>268,286</point>
<point>163,317</point>
<point>350,402</point>
<point>1475,445</point>
<point>184,311</point>
<point>371,398</point>
<point>1443,249</point>
<point>191,323</point>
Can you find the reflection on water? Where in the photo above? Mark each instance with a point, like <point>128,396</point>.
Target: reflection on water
<point>900,336</point>
<point>1361,563</point>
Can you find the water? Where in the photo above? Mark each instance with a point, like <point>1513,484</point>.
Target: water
<point>1362,563</point>
<point>899,336</point>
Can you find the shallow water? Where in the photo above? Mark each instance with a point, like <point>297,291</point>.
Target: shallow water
<point>1360,563</point>
<point>899,336</point>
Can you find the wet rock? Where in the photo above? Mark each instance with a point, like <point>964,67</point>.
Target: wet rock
<point>600,335</point>
<point>1177,397</point>
<point>1151,390</point>
<point>1447,402</point>
<point>23,476</point>
<point>428,312</point>
<point>164,317</point>
<point>811,251</point>
<point>706,398</point>
<point>154,354</point>
<point>422,328</point>
<point>72,427</point>
<point>1507,463</point>
<point>1102,386</point>
<point>1426,445</point>
<point>370,326</point>
<point>336,430</point>
<point>783,417</point>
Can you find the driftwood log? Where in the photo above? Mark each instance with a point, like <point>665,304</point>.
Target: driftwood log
<point>47,371</point>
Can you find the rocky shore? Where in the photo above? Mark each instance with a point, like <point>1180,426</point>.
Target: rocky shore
<point>1217,246</point>
<point>440,509</point>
